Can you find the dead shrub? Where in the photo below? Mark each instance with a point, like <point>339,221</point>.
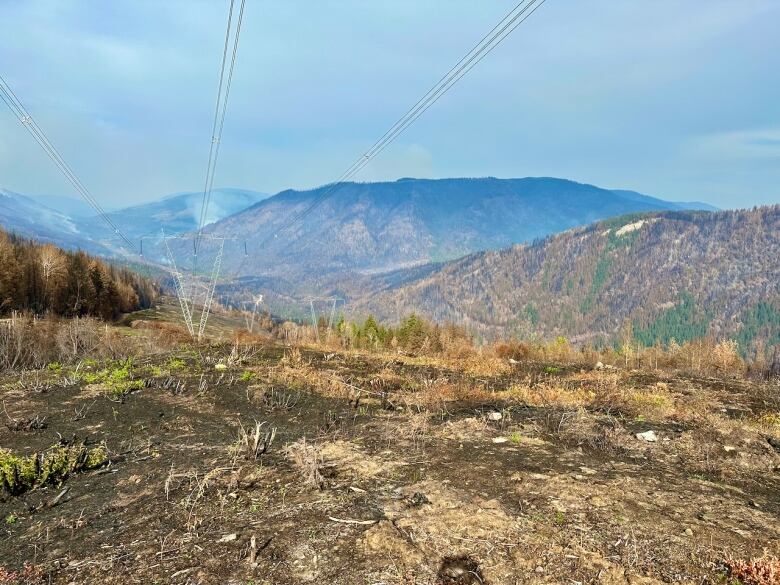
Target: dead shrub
<point>255,442</point>
<point>19,347</point>
<point>309,461</point>
<point>28,575</point>
<point>241,354</point>
<point>77,337</point>
<point>516,350</point>
<point>700,356</point>
<point>568,424</point>
<point>30,343</point>
<point>116,346</point>
<point>762,571</point>
<point>456,345</point>
<point>577,427</point>
<point>292,358</point>
<point>278,398</point>
<point>725,358</point>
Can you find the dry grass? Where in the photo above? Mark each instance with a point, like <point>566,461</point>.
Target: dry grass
<point>308,460</point>
<point>415,459</point>
<point>30,343</point>
<point>763,571</point>
<point>768,422</point>
<point>414,429</point>
<point>452,346</point>
<point>163,330</point>
<point>435,394</point>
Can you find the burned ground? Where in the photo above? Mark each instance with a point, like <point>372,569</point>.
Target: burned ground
<point>388,469</point>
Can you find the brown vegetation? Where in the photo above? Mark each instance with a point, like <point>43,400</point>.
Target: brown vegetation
<point>417,337</point>
<point>27,342</point>
<point>424,460</point>
<point>668,275</point>
<point>41,278</point>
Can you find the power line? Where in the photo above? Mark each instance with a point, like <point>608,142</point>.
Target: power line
<point>220,111</point>
<point>514,18</point>
<point>13,102</point>
<point>187,298</point>
<point>17,108</point>
<point>433,90</point>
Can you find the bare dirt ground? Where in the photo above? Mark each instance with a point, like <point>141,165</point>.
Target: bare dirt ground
<point>389,470</point>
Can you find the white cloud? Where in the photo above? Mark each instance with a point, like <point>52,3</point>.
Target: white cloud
<point>755,144</point>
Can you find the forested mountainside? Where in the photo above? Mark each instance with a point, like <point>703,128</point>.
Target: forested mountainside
<point>651,277</point>
<point>42,278</point>
<point>385,226</point>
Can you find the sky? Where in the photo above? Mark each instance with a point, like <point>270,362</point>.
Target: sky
<point>679,99</point>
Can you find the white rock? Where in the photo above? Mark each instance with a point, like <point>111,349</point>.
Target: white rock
<point>495,416</point>
<point>228,538</point>
<point>598,366</point>
<point>500,440</point>
<point>648,436</point>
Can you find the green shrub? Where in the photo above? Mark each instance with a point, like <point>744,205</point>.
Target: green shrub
<point>19,474</point>
<point>176,364</point>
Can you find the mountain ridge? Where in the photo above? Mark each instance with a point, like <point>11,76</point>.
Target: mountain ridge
<point>367,228</point>
<point>43,217</point>
<point>28,217</point>
<point>383,225</point>
<point>663,274</point>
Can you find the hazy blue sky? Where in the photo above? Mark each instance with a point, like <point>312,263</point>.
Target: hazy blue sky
<point>674,98</point>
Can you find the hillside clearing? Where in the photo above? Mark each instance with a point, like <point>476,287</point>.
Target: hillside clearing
<point>387,470</point>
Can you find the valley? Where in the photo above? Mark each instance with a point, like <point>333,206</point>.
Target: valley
<point>530,335</point>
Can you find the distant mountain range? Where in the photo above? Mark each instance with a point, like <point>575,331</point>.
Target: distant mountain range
<point>72,223</point>
<point>526,257</point>
<point>376,227</point>
<point>660,275</point>
<point>29,217</point>
<point>66,205</point>
<point>361,229</point>
<point>176,214</point>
